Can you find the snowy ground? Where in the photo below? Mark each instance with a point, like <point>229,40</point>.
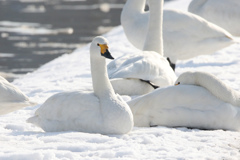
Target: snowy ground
<point>23,141</point>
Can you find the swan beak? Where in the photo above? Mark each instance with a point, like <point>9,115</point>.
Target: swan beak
<point>177,83</point>
<point>104,51</point>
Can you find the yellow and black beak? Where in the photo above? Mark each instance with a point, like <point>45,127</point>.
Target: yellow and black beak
<point>177,83</point>
<point>104,51</point>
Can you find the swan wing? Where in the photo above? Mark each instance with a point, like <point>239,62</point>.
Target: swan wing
<point>69,111</point>
<point>192,24</point>
<point>121,86</point>
<point>147,66</point>
<point>12,98</point>
<point>186,106</point>
<point>191,35</point>
<point>220,12</point>
<point>10,93</point>
<point>67,105</point>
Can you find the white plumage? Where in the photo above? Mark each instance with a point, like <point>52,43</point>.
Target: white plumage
<point>12,98</point>
<point>224,13</point>
<point>185,35</point>
<point>130,86</point>
<point>145,65</point>
<point>101,111</point>
<point>199,101</point>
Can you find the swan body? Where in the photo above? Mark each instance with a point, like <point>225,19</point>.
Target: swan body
<point>130,86</point>
<point>224,13</point>
<point>213,84</point>
<point>101,111</point>
<point>197,103</point>
<point>185,35</point>
<point>12,98</point>
<point>145,65</point>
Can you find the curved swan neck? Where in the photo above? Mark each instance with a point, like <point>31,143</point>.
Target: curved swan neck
<point>154,39</point>
<point>217,88</point>
<point>100,81</point>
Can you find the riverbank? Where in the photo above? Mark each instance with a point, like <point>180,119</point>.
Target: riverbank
<point>33,33</point>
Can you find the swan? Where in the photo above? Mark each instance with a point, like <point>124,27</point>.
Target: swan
<point>224,13</point>
<point>101,111</point>
<point>185,35</point>
<point>133,70</point>
<point>199,101</point>
<point>12,98</point>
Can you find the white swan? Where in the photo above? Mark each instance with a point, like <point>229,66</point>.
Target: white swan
<point>224,13</point>
<point>146,65</point>
<point>12,98</point>
<point>185,35</point>
<point>101,111</point>
<point>200,101</point>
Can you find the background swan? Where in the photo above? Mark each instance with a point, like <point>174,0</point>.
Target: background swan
<point>213,84</point>
<point>194,103</point>
<point>224,13</point>
<point>12,98</point>
<point>145,65</point>
<point>101,111</point>
<point>185,35</point>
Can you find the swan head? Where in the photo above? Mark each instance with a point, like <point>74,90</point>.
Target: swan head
<point>186,78</point>
<point>100,45</point>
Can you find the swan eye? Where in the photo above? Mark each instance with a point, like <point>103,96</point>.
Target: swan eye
<point>98,44</point>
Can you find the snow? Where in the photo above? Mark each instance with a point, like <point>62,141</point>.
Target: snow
<point>23,141</point>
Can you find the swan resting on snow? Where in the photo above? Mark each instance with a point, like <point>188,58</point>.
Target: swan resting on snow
<point>12,98</point>
<point>185,35</point>
<point>224,13</point>
<point>101,111</point>
<point>129,73</point>
<point>199,101</point>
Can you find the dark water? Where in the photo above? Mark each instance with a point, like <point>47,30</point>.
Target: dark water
<point>33,32</point>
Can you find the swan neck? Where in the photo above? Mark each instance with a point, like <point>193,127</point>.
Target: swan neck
<point>100,80</point>
<point>154,38</point>
<point>218,89</point>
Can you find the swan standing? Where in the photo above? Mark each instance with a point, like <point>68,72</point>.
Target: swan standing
<point>99,112</point>
<point>145,65</point>
<point>224,13</point>
<point>199,101</point>
<point>185,35</point>
<point>12,98</point>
